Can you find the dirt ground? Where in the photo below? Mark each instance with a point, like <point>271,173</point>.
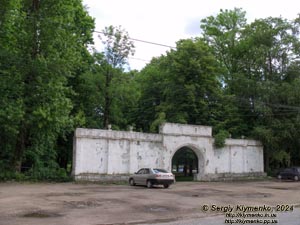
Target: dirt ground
<point>99,204</point>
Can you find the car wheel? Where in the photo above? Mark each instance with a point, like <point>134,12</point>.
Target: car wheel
<point>149,184</point>
<point>279,177</point>
<point>131,182</point>
<point>166,185</point>
<point>296,178</point>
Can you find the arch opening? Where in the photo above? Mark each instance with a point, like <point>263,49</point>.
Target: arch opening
<point>185,164</point>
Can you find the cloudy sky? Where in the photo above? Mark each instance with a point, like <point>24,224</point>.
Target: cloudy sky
<point>167,21</point>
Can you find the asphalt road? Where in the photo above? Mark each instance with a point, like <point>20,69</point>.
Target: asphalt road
<point>183,203</point>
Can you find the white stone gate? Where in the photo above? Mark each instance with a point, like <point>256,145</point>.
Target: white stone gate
<point>107,154</point>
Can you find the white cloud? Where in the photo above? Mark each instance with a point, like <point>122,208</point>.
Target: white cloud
<point>167,21</point>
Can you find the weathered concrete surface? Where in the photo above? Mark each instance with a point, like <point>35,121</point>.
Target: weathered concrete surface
<point>94,204</point>
<point>107,154</point>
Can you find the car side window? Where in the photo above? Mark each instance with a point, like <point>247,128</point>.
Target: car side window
<point>159,171</point>
<point>146,171</point>
<point>298,170</point>
<point>141,171</point>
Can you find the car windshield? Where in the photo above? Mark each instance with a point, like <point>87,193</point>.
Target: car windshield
<point>159,171</point>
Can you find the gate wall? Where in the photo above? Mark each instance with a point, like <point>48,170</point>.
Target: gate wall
<point>107,154</point>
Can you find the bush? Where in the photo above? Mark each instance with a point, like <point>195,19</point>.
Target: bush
<point>41,174</point>
<point>49,174</point>
<point>220,138</point>
<point>12,176</point>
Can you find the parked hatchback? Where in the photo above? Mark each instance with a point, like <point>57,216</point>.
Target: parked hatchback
<point>152,176</point>
<point>292,173</point>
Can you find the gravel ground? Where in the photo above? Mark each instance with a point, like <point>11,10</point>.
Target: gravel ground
<point>182,203</point>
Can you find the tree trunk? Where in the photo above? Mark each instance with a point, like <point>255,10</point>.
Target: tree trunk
<point>106,120</point>
<point>19,150</point>
<point>266,161</point>
<point>36,29</point>
<point>22,139</point>
<point>107,99</point>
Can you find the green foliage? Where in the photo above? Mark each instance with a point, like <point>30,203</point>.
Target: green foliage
<point>181,87</point>
<point>117,48</point>
<point>220,138</point>
<point>222,33</point>
<point>282,158</point>
<point>42,46</point>
<point>43,174</point>
<point>161,118</point>
<point>49,174</point>
<point>259,61</point>
<point>117,45</point>
<point>9,176</point>
<point>118,97</point>
<point>152,83</point>
<point>11,83</point>
<point>125,94</point>
<point>240,78</point>
<point>184,156</point>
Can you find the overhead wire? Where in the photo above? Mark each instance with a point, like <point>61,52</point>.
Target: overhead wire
<point>140,59</point>
<point>100,32</point>
<point>143,41</point>
<point>288,109</point>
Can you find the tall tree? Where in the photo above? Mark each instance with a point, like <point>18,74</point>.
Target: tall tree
<point>123,94</point>
<point>152,81</point>
<point>193,83</point>
<point>54,35</point>
<point>223,33</point>
<point>258,64</point>
<point>180,87</point>
<point>11,84</point>
<point>117,48</point>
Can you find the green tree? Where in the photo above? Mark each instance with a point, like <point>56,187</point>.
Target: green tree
<point>117,48</point>
<point>50,45</point>
<point>11,84</point>
<point>259,64</point>
<point>152,82</point>
<point>181,87</point>
<point>193,83</point>
<point>123,94</point>
<point>270,50</point>
<point>223,33</point>
<point>126,93</point>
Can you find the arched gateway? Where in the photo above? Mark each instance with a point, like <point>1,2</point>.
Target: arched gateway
<point>107,154</point>
<point>187,162</point>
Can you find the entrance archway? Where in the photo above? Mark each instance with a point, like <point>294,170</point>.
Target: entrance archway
<point>185,164</point>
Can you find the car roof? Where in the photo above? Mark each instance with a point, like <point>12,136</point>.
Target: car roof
<point>152,168</point>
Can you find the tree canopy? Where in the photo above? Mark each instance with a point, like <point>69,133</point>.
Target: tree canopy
<point>241,78</point>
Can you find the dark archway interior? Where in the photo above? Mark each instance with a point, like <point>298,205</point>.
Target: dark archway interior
<point>185,164</point>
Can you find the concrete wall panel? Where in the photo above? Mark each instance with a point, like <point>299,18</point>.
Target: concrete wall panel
<point>119,152</point>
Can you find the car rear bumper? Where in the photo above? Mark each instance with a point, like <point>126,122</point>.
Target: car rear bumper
<point>161,181</point>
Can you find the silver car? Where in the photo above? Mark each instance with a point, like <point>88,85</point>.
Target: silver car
<point>152,176</point>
